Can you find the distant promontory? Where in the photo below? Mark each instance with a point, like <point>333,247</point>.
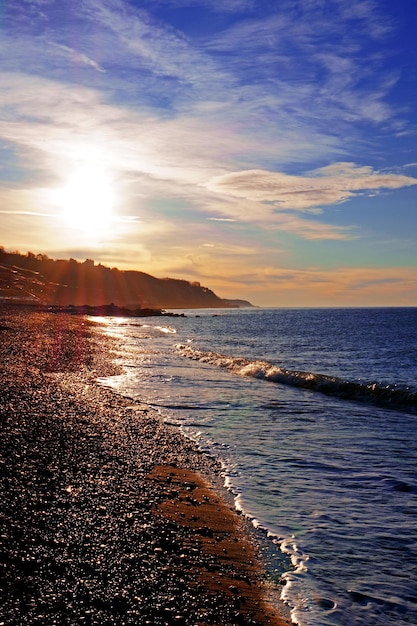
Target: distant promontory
<point>38,279</point>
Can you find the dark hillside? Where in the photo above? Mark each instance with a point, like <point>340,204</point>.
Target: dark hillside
<point>37,278</point>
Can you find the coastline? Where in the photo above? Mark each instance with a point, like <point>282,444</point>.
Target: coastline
<point>109,516</point>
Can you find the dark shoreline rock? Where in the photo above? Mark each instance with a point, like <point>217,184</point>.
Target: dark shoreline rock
<point>112,310</point>
<point>102,310</point>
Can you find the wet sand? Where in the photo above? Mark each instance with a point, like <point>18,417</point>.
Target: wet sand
<point>108,515</point>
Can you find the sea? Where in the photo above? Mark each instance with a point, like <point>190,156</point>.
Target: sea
<point>313,415</point>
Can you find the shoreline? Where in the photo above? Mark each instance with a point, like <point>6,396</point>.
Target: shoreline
<point>109,516</point>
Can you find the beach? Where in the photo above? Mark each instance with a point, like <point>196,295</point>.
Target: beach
<point>108,515</point>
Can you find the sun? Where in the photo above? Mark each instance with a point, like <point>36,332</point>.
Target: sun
<point>88,199</point>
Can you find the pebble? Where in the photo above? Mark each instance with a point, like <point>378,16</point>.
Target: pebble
<point>79,537</point>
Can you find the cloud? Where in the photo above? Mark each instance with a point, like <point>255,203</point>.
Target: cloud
<point>57,126</point>
<point>226,6</point>
<point>221,219</point>
<point>32,213</point>
<point>263,217</point>
<point>138,41</point>
<point>329,185</point>
<point>67,124</point>
<point>310,230</point>
<point>74,55</point>
<point>317,286</point>
<point>319,62</point>
<point>264,82</point>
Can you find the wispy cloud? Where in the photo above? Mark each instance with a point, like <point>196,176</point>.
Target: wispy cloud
<point>221,219</point>
<point>333,184</point>
<point>73,56</point>
<point>227,6</point>
<point>316,64</point>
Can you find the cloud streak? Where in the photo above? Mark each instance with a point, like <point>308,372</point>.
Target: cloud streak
<point>329,185</point>
<point>345,286</point>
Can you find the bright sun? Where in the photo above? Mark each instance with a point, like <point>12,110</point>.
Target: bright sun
<point>88,200</point>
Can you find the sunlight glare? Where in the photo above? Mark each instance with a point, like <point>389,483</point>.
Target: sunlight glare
<point>88,200</point>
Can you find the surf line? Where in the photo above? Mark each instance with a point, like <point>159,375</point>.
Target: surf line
<point>385,396</point>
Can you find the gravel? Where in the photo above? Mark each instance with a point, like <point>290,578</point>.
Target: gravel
<point>108,515</point>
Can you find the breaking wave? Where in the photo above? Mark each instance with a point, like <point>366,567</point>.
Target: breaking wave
<point>387,396</point>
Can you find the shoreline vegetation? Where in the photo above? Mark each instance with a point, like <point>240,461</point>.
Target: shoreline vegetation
<point>108,515</point>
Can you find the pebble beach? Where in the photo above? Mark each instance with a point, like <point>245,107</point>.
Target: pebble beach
<point>108,515</point>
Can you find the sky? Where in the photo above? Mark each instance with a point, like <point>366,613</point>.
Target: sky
<point>267,150</point>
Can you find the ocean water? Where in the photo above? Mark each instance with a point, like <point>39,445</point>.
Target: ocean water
<point>313,413</point>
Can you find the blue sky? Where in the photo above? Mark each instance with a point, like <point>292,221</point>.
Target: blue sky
<point>265,149</point>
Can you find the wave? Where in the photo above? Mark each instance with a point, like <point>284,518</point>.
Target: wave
<point>166,330</point>
<point>387,396</point>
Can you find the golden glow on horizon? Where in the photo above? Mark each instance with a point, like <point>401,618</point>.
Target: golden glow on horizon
<point>88,200</point>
